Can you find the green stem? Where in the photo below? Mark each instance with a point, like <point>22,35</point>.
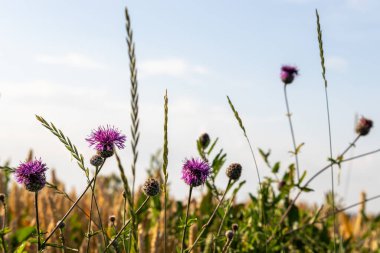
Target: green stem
<point>289,115</point>
<point>62,238</point>
<point>187,216</point>
<point>309,181</point>
<point>124,217</point>
<point>211,217</point>
<point>37,222</point>
<point>126,224</point>
<point>89,234</point>
<point>70,210</point>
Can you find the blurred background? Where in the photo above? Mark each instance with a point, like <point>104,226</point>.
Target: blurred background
<point>67,61</point>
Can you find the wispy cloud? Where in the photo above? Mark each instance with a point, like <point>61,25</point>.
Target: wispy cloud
<point>336,63</point>
<point>170,67</point>
<point>71,60</point>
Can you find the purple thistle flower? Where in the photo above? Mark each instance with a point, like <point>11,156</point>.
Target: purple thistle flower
<point>363,126</point>
<point>195,172</point>
<point>288,73</point>
<point>104,139</point>
<point>32,175</point>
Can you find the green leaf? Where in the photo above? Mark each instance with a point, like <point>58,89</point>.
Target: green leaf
<point>276,167</point>
<point>21,248</point>
<point>302,177</point>
<point>22,235</point>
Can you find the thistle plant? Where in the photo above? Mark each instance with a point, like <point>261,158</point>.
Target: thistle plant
<point>103,140</point>
<point>288,73</point>
<point>194,173</point>
<point>32,175</point>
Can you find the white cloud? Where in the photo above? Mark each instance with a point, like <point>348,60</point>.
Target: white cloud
<point>170,67</point>
<point>336,63</point>
<point>71,60</point>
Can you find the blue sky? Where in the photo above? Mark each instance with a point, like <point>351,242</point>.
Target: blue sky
<point>67,61</point>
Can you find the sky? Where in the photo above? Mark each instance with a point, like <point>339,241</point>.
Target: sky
<point>67,61</point>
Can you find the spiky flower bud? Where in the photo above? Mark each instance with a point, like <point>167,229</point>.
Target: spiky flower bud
<point>106,152</point>
<point>96,160</point>
<point>288,73</point>
<point>60,224</point>
<point>204,140</point>
<point>112,218</point>
<point>151,187</point>
<point>363,126</point>
<point>229,235</point>
<point>234,171</point>
<point>235,227</point>
<point>2,197</point>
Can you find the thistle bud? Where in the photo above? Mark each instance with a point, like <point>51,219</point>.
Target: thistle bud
<point>106,152</point>
<point>235,227</point>
<point>229,235</point>
<point>288,73</point>
<point>363,126</point>
<point>234,171</point>
<point>204,140</point>
<point>96,160</point>
<point>151,187</point>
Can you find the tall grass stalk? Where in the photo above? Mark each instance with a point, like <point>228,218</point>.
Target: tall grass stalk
<point>253,156</point>
<point>165,164</point>
<point>135,134</point>
<point>321,54</point>
<point>186,218</point>
<point>205,226</point>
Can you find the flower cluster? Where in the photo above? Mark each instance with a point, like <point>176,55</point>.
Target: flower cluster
<point>288,73</point>
<point>195,172</point>
<point>32,175</point>
<point>104,140</point>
